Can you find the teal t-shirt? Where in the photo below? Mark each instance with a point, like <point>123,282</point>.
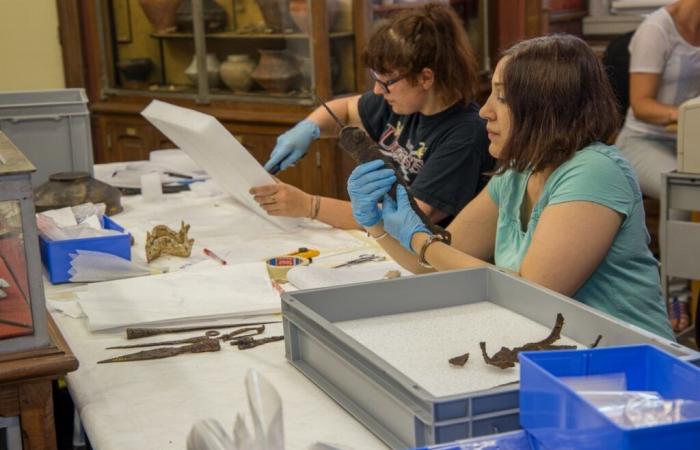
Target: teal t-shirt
<point>626,284</point>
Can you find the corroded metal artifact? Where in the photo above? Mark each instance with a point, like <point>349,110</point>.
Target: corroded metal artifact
<point>137,333</point>
<point>162,240</point>
<point>460,360</point>
<point>209,345</point>
<point>505,357</point>
<point>249,342</point>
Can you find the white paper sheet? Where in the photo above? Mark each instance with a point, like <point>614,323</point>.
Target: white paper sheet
<point>231,290</point>
<point>311,277</point>
<point>215,150</point>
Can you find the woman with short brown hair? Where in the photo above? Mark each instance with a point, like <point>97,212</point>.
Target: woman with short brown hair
<point>564,210</point>
<point>421,113</point>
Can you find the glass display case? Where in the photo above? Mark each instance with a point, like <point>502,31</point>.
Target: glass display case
<point>22,312</point>
<point>252,50</point>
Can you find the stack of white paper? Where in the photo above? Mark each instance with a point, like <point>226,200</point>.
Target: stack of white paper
<point>222,291</point>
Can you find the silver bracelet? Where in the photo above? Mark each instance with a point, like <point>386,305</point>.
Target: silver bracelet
<point>376,238</point>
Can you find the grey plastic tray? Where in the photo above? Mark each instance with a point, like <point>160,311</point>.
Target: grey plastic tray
<point>389,403</point>
<point>52,128</point>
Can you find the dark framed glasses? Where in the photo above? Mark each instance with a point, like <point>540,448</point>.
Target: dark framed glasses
<point>384,83</point>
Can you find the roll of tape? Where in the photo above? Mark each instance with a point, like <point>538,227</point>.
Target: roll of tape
<point>279,266</point>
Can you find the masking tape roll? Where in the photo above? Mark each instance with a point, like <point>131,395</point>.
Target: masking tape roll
<point>279,266</point>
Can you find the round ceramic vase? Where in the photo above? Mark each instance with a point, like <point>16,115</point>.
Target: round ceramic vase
<point>277,71</point>
<point>236,72</point>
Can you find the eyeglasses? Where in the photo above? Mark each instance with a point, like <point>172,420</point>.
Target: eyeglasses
<point>384,84</point>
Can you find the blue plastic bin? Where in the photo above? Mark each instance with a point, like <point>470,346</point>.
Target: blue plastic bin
<point>560,419</point>
<point>55,255</point>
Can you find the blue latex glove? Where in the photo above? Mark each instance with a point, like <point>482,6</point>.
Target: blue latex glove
<point>400,220</point>
<point>368,183</point>
<point>292,145</point>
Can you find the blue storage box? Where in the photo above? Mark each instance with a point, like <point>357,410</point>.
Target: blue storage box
<point>559,418</point>
<point>56,255</point>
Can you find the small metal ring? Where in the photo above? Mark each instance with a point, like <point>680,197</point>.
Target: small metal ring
<point>212,333</point>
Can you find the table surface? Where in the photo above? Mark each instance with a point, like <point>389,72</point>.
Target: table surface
<point>153,404</point>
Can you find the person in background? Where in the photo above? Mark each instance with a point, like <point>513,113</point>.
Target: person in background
<point>664,72</point>
<point>420,112</point>
<point>563,210</point>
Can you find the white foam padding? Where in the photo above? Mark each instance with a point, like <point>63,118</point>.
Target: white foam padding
<point>419,344</point>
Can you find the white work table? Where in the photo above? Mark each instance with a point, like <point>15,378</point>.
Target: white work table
<point>152,405</point>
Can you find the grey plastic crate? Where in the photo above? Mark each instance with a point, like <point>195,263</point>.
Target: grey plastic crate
<point>389,403</point>
<point>52,128</point>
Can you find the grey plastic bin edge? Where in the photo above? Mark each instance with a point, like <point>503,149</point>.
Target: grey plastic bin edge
<point>304,327</point>
<point>52,127</point>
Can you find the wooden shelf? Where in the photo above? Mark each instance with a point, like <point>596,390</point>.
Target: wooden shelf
<point>380,8</point>
<point>236,35</point>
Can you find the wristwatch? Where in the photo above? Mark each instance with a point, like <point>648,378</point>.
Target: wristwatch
<point>421,254</point>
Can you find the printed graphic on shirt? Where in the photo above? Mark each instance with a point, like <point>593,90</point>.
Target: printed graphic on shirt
<point>408,156</point>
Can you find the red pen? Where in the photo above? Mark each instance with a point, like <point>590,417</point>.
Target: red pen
<point>214,256</point>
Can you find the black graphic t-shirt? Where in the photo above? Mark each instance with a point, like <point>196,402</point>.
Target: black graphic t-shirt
<point>443,156</point>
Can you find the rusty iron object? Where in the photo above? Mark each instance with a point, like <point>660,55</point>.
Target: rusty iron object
<point>247,342</point>
<point>209,345</point>
<point>163,240</point>
<point>137,333</point>
<point>74,188</point>
<point>505,357</point>
<point>460,360</point>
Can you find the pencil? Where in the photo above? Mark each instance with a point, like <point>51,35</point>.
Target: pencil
<point>214,256</point>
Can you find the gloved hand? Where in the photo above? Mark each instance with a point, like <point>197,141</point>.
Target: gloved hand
<point>292,145</point>
<point>368,183</point>
<point>400,220</point>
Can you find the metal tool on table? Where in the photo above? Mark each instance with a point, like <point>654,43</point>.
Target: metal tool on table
<point>210,334</point>
<point>361,259</point>
<point>209,345</point>
<point>137,333</point>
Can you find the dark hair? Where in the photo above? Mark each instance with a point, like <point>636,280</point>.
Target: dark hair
<point>426,37</point>
<point>560,101</point>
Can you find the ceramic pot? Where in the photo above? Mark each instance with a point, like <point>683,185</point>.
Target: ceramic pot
<point>277,71</point>
<point>236,72</point>
<point>212,70</point>
<point>276,14</point>
<point>161,14</point>
<point>214,16</point>
<point>299,10</point>
<point>73,188</point>
<point>135,69</point>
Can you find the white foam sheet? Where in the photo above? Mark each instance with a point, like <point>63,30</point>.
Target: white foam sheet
<point>215,150</point>
<point>419,344</point>
<point>215,291</point>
